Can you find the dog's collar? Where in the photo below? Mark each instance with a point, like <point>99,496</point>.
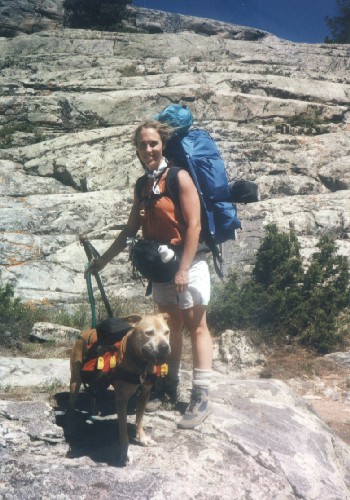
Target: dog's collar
<point>140,368</point>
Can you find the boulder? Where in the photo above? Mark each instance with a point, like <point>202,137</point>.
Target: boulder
<point>56,334</point>
<point>341,358</point>
<point>33,373</point>
<point>234,352</point>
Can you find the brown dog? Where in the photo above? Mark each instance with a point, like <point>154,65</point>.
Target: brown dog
<point>145,345</point>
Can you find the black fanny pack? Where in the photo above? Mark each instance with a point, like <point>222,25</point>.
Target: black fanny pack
<point>154,262</point>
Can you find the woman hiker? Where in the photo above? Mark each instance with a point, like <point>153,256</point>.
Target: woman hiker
<point>186,297</point>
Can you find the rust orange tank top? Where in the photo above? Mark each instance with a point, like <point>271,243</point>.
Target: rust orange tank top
<point>161,220</point>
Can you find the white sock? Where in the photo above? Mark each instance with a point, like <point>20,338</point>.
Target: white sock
<point>201,378</point>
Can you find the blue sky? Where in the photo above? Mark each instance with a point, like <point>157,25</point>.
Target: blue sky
<point>295,20</point>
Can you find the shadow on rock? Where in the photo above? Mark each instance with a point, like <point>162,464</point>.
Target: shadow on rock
<point>95,437</point>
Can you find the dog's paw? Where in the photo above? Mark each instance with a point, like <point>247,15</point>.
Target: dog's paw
<point>129,458</point>
<point>125,459</point>
<point>144,440</point>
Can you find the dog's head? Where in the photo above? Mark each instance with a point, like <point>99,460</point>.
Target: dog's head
<point>152,337</point>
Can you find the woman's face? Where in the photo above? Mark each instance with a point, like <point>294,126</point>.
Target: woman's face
<point>150,148</point>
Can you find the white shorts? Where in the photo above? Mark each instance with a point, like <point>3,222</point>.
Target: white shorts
<point>198,292</point>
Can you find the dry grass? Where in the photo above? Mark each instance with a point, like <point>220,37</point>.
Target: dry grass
<point>286,363</point>
<point>38,351</point>
<point>293,362</point>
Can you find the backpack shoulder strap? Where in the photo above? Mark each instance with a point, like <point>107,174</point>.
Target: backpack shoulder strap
<point>140,184</point>
<point>172,184</point>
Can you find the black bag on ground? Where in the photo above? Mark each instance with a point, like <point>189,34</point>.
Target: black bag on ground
<point>146,259</point>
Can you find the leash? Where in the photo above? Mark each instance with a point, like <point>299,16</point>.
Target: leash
<point>92,253</point>
<point>91,296</point>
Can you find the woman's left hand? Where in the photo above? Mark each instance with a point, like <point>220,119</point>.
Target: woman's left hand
<point>181,280</point>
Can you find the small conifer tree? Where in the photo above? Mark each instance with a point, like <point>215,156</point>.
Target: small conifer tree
<point>325,293</point>
<point>340,25</point>
<point>283,296</point>
<point>100,14</point>
<point>279,271</point>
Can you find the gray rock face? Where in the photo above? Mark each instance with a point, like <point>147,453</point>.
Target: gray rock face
<point>260,442</point>
<point>29,16</point>
<point>28,372</point>
<point>70,99</point>
<point>155,21</point>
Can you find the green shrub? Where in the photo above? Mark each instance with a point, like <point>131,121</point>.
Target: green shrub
<point>325,293</point>
<point>16,319</point>
<point>80,318</point>
<point>279,271</point>
<point>225,309</point>
<point>339,25</point>
<point>304,120</point>
<point>130,70</point>
<point>278,262</point>
<point>100,14</point>
<point>284,297</point>
<point>7,132</point>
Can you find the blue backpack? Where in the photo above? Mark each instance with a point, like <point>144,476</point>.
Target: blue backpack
<point>197,152</point>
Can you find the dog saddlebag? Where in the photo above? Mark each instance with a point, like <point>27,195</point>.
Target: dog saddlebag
<point>99,366</point>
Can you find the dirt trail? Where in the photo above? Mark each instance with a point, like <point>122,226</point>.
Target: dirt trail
<point>323,384</point>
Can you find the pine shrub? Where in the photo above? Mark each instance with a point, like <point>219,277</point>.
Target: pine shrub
<point>325,294</point>
<point>95,14</point>
<point>285,296</point>
<point>15,318</point>
<point>225,308</point>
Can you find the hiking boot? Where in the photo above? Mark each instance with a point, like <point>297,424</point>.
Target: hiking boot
<point>164,397</point>
<point>198,409</point>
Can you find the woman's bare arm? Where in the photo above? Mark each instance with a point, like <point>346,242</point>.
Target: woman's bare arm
<point>118,245</point>
<point>191,211</point>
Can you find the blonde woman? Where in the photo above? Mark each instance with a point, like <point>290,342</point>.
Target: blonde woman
<point>184,298</point>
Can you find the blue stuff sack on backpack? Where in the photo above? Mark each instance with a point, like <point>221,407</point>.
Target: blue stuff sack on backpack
<point>179,117</point>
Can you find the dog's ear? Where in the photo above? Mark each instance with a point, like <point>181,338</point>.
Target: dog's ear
<point>166,317</point>
<point>132,318</point>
